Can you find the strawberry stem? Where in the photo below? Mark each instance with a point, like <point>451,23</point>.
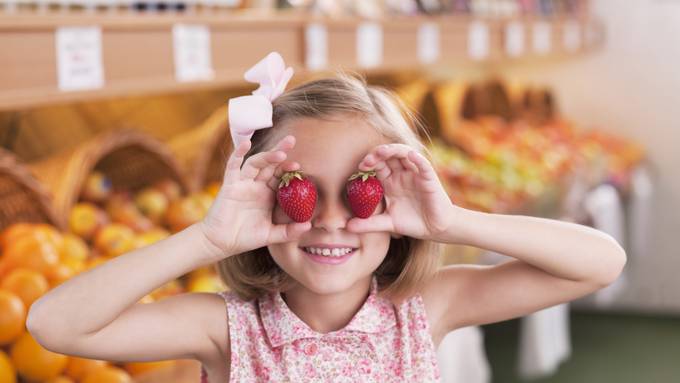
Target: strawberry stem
<point>364,175</point>
<point>288,176</point>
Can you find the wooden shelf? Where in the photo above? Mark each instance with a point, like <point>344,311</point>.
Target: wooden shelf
<point>137,50</point>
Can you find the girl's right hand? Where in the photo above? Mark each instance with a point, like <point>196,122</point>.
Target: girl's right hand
<point>240,218</point>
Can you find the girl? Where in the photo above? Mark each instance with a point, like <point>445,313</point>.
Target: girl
<point>378,312</point>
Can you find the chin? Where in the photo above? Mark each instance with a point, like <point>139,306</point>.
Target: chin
<point>327,284</point>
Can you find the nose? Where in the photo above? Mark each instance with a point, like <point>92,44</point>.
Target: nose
<point>331,215</point>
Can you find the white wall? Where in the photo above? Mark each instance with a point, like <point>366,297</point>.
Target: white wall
<point>632,86</point>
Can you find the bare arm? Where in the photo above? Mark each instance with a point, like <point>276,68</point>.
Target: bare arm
<point>96,314</point>
<point>72,317</point>
<point>555,262</point>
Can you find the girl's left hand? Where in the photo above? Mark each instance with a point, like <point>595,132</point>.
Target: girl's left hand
<point>416,203</point>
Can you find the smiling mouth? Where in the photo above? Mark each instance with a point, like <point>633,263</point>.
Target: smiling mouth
<point>335,252</point>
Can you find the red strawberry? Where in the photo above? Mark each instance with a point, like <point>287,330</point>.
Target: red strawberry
<point>364,193</point>
<point>296,196</point>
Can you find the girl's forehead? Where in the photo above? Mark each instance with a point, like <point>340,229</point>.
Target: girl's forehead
<point>330,147</point>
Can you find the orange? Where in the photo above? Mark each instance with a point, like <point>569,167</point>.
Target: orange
<point>107,375</point>
<point>33,362</point>
<point>73,251</point>
<point>137,368</point>
<point>49,233</point>
<point>115,239</point>
<point>7,373</point>
<point>60,379</point>
<point>12,316</point>
<point>31,252</point>
<point>15,231</point>
<point>94,262</point>
<point>86,219</point>
<point>28,285</point>
<point>60,274</point>
<point>77,368</point>
<point>205,283</point>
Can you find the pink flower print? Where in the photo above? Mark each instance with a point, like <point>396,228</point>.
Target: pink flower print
<point>311,349</point>
<point>309,371</point>
<point>364,366</point>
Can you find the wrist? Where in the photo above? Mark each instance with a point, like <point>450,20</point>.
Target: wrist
<point>458,227</point>
<point>210,250</point>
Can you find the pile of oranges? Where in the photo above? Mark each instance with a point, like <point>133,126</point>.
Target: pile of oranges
<point>36,257</point>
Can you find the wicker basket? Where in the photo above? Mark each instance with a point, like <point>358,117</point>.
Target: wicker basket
<point>204,150</point>
<point>129,158</point>
<point>22,197</point>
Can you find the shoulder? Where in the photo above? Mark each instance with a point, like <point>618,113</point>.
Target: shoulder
<point>210,312</point>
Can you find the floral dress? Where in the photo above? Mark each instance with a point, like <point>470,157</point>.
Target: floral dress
<point>382,343</point>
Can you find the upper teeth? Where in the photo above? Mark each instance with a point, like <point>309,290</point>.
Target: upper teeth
<point>335,252</point>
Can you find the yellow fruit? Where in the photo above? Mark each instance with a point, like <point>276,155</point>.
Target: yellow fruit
<point>205,283</point>
<point>15,231</point>
<point>86,219</point>
<point>115,239</point>
<point>60,274</point>
<point>33,362</point>
<point>73,249</point>
<point>28,285</point>
<point>60,379</point>
<point>107,375</point>
<point>152,203</point>
<point>150,237</point>
<point>213,189</point>
<point>171,288</point>
<point>77,368</point>
<point>94,262</point>
<point>12,317</point>
<point>32,252</point>
<point>135,368</point>
<point>7,373</point>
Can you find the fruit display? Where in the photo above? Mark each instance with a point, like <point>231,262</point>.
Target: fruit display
<point>104,223</point>
<point>497,166</point>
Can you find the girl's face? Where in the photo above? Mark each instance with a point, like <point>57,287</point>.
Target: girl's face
<point>328,153</point>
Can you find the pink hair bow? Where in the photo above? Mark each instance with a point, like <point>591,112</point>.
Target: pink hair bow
<point>250,113</point>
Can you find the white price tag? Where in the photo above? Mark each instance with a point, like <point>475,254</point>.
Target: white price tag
<point>542,37</point>
<point>79,58</point>
<point>192,51</point>
<point>478,40</point>
<point>316,45</point>
<point>369,45</point>
<point>428,43</point>
<point>514,39</point>
<point>571,36</point>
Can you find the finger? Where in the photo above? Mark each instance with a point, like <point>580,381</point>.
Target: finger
<point>284,145</point>
<point>425,168</point>
<point>288,232</point>
<point>407,164</point>
<point>382,171</point>
<point>232,171</point>
<point>259,161</point>
<point>288,166</point>
<point>395,165</point>
<point>379,222</point>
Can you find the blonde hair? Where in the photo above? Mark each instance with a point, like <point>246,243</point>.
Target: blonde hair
<point>409,261</point>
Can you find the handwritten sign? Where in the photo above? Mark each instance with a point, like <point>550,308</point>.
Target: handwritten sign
<point>192,51</point>
<point>79,58</point>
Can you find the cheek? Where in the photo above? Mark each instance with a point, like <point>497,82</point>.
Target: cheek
<point>376,245</point>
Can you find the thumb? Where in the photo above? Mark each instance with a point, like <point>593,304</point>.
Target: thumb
<point>380,222</point>
<point>288,232</point>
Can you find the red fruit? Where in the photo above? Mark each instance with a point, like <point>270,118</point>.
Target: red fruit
<point>296,196</point>
<point>364,193</point>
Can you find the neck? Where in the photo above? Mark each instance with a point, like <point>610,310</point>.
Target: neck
<point>328,312</point>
